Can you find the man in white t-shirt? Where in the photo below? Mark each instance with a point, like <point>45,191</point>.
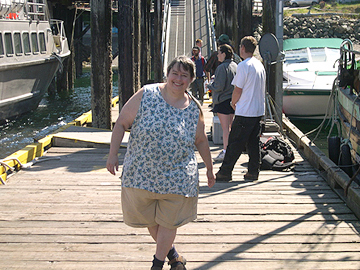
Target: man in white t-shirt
<point>248,101</point>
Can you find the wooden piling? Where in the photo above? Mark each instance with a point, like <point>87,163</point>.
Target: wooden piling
<point>235,19</point>
<point>126,55</point>
<point>243,26</point>
<point>101,60</point>
<point>145,42</point>
<point>65,78</point>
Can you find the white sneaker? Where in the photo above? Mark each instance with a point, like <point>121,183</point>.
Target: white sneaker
<point>220,156</point>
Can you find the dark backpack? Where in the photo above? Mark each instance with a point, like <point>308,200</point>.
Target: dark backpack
<point>276,155</point>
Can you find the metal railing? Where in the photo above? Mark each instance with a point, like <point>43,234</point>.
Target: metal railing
<point>257,7</point>
<point>37,10</point>
<point>211,30</point>
<point>58,31</point>
<point>164,34</point>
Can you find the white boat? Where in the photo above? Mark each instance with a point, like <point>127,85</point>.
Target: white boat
<point>32,47</point>
<point>309,71</point>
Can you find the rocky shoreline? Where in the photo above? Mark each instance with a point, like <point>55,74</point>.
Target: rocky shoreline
<point>320,27</point>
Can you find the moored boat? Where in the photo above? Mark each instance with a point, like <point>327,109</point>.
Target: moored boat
<point>32,47</point>
<point>348,112</point>
<point>309,72</point>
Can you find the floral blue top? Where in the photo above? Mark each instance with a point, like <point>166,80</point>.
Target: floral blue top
<point>160,155</point>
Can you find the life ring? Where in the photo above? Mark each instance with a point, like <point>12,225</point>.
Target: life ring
<point>345,159</point>
<point>334,149</point>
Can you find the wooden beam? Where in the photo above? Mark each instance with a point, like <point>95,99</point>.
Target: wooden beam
<point>101,60</point>
<point>126,47</point>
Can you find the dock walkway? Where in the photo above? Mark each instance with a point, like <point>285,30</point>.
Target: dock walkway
<point>188,22</point>
<point>65,213</point>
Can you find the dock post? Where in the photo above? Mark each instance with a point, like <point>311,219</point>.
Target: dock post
<point>126,51</point>
<point>271,24</point>
<point>243,24</point>
<point>77,46</point>
<point>144,45</point>
<point>234,18</point>
<point>137,42</point>
<point>65,78</point>
<point>101,60</point>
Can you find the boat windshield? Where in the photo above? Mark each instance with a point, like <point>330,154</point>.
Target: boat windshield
<point>307,55</point>
<point>296,56</point>
<point>324,54</point>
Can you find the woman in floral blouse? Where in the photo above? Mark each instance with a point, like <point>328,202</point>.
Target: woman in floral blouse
<point>160,180</point>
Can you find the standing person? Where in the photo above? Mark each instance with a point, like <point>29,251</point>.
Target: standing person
<point>199,43</point>
<point>212,62</point>
<point>160,180</point>
<point>197,86</point>
<point>222,90</point>
<point>248,100</point>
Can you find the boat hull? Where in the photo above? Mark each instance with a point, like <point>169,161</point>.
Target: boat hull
<point>22,87</point>
<point>348,108</point>
<point>307,104</point>
<point>309,71</point>
<point>32,46</point>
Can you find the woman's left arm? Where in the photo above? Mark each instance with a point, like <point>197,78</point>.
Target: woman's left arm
<point>202,145</point>
<point>218,84</point>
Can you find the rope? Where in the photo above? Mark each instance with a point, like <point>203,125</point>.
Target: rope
<point>22,166</point>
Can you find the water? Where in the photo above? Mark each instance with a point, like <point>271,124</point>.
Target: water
<point>51,114</point>
<point>320,139</point>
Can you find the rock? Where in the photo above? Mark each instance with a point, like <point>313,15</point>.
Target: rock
<point>320,27</point>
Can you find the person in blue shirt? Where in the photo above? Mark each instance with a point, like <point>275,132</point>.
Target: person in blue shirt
<point>197,86</point>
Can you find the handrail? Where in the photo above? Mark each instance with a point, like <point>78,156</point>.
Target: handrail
<point>164,34</point>
<point>60,39</point>
<point>211,30</point>
<point>36,10</point>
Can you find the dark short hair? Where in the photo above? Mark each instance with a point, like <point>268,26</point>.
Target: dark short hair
<point>185,62</point>
<point>196,48</point>
<point>227,49</point>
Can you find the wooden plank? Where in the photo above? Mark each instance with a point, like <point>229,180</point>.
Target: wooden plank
<point>139,237</point>
<point>213,265</point>
<point>188,247</point>
<point>65,213</point>
<point>227,255</point>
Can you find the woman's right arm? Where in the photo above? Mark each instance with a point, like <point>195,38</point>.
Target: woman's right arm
<point>124,121</point>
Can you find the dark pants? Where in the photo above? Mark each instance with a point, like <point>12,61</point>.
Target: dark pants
<point>245,131</point>
<point>197,89</point>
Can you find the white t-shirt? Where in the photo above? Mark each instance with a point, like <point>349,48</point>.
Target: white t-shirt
<point>251,78</point>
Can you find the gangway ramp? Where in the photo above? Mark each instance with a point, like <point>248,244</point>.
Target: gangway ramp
<point>187,21</point>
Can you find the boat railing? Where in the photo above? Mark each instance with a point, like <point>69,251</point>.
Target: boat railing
<point>10,8</point>
<point>210,24</point>
<point>58,31</point>
<point>36,10</point>
<point>348,64</point>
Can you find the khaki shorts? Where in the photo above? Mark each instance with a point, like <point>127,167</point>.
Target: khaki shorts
<point>142,208</point>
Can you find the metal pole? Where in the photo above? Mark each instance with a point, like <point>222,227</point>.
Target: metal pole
<point>278,66</point>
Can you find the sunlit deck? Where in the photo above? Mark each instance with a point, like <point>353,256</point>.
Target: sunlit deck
<point>65,213</point>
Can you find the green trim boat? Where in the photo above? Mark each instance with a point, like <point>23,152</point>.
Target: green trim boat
<point>309,72</point>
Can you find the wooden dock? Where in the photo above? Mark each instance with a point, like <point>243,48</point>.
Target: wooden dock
<point>65,213</point>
